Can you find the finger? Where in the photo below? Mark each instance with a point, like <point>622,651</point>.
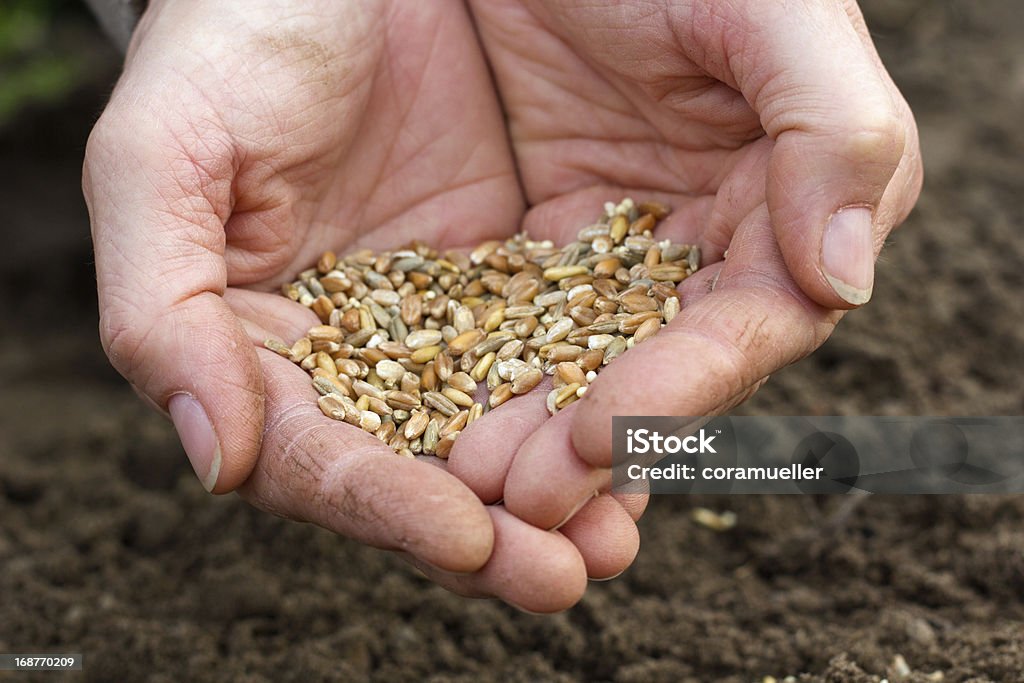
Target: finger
<point>157,217</point>
<point>480,459</point>
<point>902,193</point>
<point>635,504</point>
<point>715,351</point>
<point>551,480</point>
<point>839,135</point>
<point>548,482</point>
<point>269,316</point>
<point>606,536</point>
<point>700,284</point>
<point>337,476</point>
<point>742,191</point>
<point>535,570</point>
<point>483,463</point>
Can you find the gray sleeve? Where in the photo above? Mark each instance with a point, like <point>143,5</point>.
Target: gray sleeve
<point>118,18</point>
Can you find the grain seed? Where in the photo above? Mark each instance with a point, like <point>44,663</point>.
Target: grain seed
<point>501,393</point>
<point>441,402</point>
<point>647,330</point>
<point>670,308</point>
<point>524,381</point>
<point>463,382</point>
<point>459,398</point>
<point>423,338</point>
<point>483,366</point>
<point>416,423</point>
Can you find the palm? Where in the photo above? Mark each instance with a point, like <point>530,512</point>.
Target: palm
<point>618,110</point>
<point>376,144</point>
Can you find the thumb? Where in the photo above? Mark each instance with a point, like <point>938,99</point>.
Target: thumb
<point>159,242</point>
<point>822,95</point>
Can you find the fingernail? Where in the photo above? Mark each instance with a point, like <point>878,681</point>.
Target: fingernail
<point>197,437</point>
<point>607,578</point>
<point>847,254</point>
<point>527,611</point>
<point>422,566</point>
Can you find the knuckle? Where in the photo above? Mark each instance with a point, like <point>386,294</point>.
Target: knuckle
<point>100,148</point>
<point>119,129</point>
<point>104,133</point>
<point>875,134</point>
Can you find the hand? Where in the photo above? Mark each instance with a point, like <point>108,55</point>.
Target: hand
<point>242,141</point>
<point>774,132</point>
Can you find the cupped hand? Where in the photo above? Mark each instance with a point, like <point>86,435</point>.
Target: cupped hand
<point>239,145</point>
<point>242,141</point>
<point>777,136</point>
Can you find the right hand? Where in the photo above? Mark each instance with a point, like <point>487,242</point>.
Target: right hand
<point>243,140</point>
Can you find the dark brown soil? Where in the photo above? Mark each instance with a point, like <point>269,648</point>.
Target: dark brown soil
<point>109,547</point>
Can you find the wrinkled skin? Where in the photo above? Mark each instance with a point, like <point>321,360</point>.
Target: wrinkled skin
<point>243,141</point>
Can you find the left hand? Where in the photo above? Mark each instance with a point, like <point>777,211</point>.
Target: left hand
<point>243,140</point>
<point>772,130</point>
